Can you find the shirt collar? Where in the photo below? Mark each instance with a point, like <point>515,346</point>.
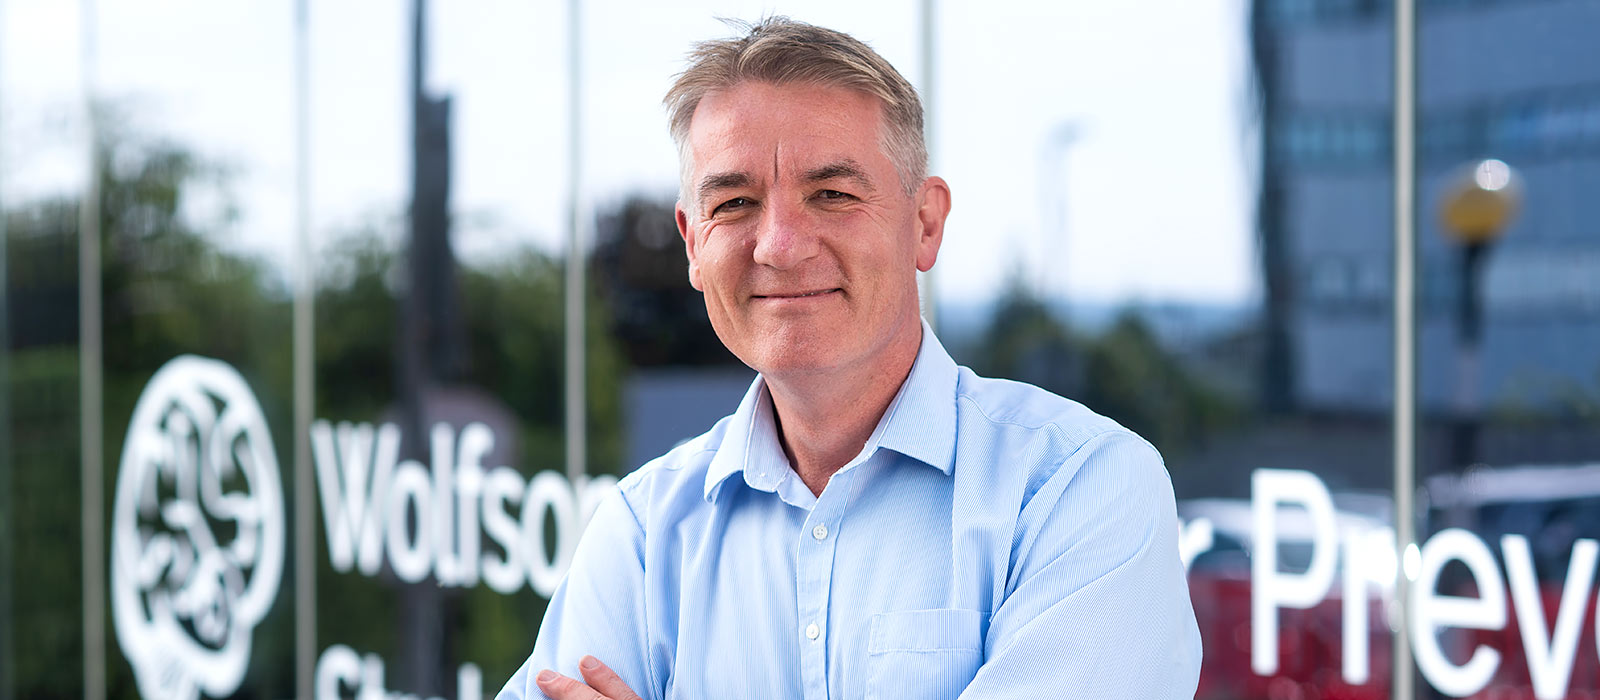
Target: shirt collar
<point>920,423</point>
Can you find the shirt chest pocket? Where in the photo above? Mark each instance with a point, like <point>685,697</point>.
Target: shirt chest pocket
<point>923,654</point>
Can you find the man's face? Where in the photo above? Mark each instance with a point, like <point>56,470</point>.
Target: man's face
<point>799,230</point>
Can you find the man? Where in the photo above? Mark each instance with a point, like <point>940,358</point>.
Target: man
<point>873,521</point>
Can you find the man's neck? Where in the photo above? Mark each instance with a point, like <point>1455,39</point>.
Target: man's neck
<point>825,420</point>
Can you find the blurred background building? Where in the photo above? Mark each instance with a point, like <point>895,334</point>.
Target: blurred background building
<point>1518,81</point>
<point>1515,81</point>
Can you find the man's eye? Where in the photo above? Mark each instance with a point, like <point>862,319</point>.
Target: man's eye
<point>832,194</point>
<point>735,203</point>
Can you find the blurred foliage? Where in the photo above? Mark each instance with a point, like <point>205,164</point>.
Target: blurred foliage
<point>46,613</point>
<point>1538,398</point>
<point>642,275</point>
<point>1133,379</point>
<point>515,327</point>
<point>165,291</point>
<point>171,286</point>
<point>1123,372</point>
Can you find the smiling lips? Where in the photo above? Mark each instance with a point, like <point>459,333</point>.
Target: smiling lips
<point>797,295</point>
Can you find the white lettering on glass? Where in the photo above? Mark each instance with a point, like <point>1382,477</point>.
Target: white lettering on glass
<point>1431,612</point>
<point>1550,656</point>
<point>197,531</point>
<point>432,520</point>
<point>342,673</point>
<point>1270,588</point>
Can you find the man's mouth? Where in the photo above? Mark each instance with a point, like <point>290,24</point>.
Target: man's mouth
<point>798,295</point>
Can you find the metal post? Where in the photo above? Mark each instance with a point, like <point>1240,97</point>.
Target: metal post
<point>1469,348</point>
<point>575,384</point>
<point>8,655</point>
<point>90,384</point>
<point>305,572</point>
<point>1405,356</point>
<point>1054,207</point>
<point>929,22</point>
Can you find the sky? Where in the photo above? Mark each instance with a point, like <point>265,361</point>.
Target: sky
<point>1100,150</point>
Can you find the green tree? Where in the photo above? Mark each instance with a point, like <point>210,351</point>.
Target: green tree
<point>1122,372</point>
<point>167,289</point>
<point>513,318</point>
<point>1133,379</point>
<point>170,286</point>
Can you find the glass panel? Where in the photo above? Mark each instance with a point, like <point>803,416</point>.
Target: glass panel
<point>444,516</point>
<point>44,157</point>
<point>44,163</point>
<point>197,215</point>
<point>1182,219</point>
<point>1510,341</point>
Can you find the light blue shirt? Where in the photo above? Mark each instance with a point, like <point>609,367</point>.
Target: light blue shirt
<point>991,540</point>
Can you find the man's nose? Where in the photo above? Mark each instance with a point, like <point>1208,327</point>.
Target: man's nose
<point>785,238</point>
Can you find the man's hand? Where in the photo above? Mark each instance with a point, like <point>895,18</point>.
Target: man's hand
<point>603,683</point>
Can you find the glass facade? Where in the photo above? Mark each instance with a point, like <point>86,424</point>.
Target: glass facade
<point>1510,341</point>
<point>326,324</point>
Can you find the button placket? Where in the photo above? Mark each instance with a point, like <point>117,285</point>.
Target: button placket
<point>815,576</point>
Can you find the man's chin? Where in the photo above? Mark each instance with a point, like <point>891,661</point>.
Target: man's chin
<point>790,360</point>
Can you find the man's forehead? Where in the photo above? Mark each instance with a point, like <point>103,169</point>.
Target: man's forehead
<point>762,130</point>
<point>755,112</point>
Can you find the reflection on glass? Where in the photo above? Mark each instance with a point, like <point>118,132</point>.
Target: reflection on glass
<point>1185,224</point>
<point>43,173</point>
<point>1212,272</point>
<point>437,432</point>
<point>194,205</point>
<point>1510,353</point>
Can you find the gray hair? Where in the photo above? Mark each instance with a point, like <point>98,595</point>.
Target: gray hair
<point>782,51</point>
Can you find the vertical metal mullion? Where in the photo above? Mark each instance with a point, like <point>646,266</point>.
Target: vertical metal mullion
<point>575,384</point>
<point>90,383</point>
<point>1405,404</point>
<point>305,582</point>
<point>8,658</point>
<point>929,45</point>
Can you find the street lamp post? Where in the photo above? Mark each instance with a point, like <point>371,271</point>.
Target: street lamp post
<point>1050,271</point>
<point>1475,211</point>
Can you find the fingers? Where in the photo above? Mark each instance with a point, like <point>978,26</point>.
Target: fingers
<point>560,687</point>
<point>605,680</point>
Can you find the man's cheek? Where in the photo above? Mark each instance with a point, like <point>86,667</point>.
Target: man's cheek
<point>694,277</point>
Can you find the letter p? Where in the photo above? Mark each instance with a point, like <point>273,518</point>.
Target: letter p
<point>1271,589</point>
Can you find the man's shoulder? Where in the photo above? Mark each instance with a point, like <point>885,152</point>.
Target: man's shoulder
<point>1004,403</point>
<point>677,475</point>
<point>1048,437</point>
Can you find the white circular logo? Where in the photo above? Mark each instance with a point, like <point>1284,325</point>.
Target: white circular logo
<point>197,531</point>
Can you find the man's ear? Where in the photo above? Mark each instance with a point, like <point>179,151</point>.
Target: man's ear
<point>688,243</point>
<point>933,206</point>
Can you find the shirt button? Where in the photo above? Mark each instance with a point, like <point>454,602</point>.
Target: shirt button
<point>820,532</point>
<point>813,631</point>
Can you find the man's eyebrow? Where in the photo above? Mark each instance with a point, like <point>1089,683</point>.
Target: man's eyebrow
<point>848,169</point>
<point>722,181</point>
<point>710,184</point>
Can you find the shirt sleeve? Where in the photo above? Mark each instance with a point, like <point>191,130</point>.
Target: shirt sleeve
<point>1097,604</point>
<point>597,610</point>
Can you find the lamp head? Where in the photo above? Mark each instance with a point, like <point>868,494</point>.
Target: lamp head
<point>1480,202</point>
